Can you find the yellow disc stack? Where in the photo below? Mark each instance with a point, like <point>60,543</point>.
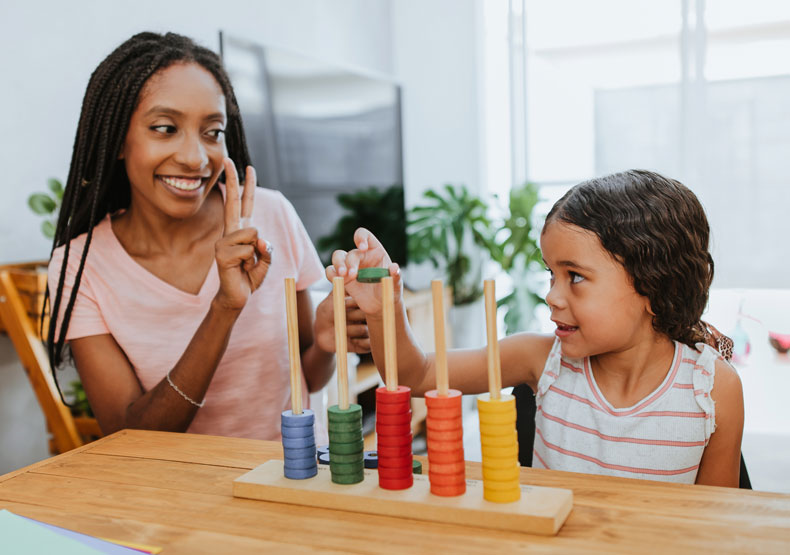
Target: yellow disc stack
<point>499,444</point>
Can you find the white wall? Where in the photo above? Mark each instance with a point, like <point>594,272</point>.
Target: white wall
<point>50,48</point>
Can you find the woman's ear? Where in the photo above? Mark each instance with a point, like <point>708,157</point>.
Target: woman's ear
<point>648,307</point>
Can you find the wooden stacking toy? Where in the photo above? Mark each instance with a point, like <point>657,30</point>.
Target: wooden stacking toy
<point>297,425</point>
<point>497,414</point>
<point>346,445</point>
<point>393,408</point>
<point>444,422</point>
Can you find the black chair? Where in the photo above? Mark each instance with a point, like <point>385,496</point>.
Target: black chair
<point>525,428</point>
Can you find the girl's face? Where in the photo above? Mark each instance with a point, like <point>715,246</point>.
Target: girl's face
<point>175,145</point>
<point>593,303</point>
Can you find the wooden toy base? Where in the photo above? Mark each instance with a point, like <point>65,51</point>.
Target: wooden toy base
<point>539,511</point>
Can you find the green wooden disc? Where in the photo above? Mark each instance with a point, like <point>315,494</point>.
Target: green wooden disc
<point>372,275</point>
<point>350,458</point>
<point>416,467</point>
<point>345,427</point>
<point>346,468</point>
<point>344,437</point>
<point>351,414</point>
<point>346,448</point>
<point>348,478</point>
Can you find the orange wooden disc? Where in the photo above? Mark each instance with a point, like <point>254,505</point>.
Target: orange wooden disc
<point>445,456</point>
<point>449,445</point>
<point>396,484</point>
<point>447,468</point>
<point>440,413</point>
<point>396,419</point>
<point>443,424</point>
<point>384,396</point>
<point>447,479</point>
<point>436,436</point>
<point>449,491</point>
<point>433,399</point>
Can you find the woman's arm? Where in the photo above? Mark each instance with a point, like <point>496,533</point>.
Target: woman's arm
<point>720,464</point>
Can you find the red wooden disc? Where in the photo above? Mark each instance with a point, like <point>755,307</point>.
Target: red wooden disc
<point>446,468</point>
<point>440,413</point>
<point>394,451</point>
<point>399,430</point>
<point>384,396</point>
<point>393,408</point>
<point>447,479</point>
<point>449,491</point>
<point>436,436</point>
<point>392,484</point>
<point>433,399</point>
<point>443,424</point>
<point>393,441</point>
<point>396,419</point>
<point>395,462</point>
<point>440,457</point>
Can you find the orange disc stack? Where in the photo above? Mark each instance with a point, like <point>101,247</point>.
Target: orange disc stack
<point>394,437</point>
<point>499,444</point>
<point>446,470</point>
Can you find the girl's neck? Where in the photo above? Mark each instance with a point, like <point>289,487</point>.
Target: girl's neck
<point>627,376</point>
<point>146,231</point>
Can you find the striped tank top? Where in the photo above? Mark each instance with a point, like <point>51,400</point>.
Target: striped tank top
<point>661,437</point>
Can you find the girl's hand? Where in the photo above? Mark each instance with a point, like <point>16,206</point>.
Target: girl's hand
<point>357,338</point>
<point>243,258</point>
<point>369,253</point>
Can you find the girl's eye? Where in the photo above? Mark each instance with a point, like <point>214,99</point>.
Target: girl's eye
<point>575,278</point>
<point>166,129</point>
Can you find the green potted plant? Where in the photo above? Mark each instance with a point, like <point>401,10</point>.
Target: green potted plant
<point>380,211</point>
<point>516,250</point>
<point>46,204</point>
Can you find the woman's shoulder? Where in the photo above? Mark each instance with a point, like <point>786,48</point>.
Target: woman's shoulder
<point>77,244</point>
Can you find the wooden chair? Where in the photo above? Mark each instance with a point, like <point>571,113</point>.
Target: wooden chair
<point>67,431</point>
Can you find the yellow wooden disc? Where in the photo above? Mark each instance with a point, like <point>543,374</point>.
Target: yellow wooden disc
<point>499,441</point>
<point>497,496</point>
<point>506,451</point>
<point>502,474</point>
<point>497,429</point>
<point>499,462</point>
<point>505,403</point>
<point>498,418</point>
<point>501,485</point>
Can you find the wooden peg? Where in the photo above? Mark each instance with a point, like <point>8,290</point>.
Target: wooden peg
<point>494,369</point>
<point>293,345</point>
<point>341,347</point>
<point>442,376</point>
<point>390,353</point>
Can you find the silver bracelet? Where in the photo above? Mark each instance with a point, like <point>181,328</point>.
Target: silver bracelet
<point>184,395</point>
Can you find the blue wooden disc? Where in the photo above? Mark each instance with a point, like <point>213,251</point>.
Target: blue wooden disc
<point>294,431</point>
<point>299,453</point>
<point>322,449</point>
<point>303,474</point>
<point>299,464</point>
<point>371,459</point>
<point>289,419</point>
<point>298,442</point>
<point>323,458</point>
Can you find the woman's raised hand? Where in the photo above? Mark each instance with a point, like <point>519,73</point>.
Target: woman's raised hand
<point>369,254</point>
<point>243,258</point>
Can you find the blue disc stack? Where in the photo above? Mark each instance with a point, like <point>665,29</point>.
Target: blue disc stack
<point>299,445</point>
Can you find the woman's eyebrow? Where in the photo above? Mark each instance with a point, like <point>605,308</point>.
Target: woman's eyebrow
<point>165,110</point>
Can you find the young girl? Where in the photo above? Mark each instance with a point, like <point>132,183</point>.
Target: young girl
<point>167,284</point>
<point>626,386</point>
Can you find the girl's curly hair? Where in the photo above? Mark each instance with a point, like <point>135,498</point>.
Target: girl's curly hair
<point>657,229</point>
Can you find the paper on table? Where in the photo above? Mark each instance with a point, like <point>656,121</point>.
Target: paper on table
<point>24,537</point>
<point>109,547</point>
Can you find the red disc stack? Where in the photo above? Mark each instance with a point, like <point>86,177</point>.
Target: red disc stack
<point>393,433</point>
<point>446,467</point>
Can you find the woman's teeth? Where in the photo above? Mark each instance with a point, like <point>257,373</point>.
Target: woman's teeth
<point>182,183</point>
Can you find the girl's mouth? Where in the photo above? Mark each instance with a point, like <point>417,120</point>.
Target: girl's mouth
<point>564,330</point>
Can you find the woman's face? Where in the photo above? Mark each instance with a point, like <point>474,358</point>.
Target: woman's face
<point>175,145</point>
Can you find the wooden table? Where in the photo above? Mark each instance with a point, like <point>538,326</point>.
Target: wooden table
<point>175,491</point>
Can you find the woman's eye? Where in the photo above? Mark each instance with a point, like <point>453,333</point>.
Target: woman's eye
<point>216,134</point>
<point>575,278</point>
<point>167,129</point>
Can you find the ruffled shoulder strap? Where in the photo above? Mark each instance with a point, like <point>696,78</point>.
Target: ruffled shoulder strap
<point>702,377</point>
<point>551,370</point>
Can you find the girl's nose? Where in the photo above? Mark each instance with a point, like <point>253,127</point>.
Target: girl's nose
<point>192,153</point>
<point>555,298</point>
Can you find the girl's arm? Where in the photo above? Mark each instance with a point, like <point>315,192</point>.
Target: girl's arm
<point>720,464</point>
<point>522,356</point>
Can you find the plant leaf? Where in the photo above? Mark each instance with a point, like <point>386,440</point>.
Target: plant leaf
<point>41,204</point>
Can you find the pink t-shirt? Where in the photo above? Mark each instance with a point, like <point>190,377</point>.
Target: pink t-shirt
<point>153,321</point>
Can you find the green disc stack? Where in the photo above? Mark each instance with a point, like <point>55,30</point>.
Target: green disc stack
<point>346,446</point>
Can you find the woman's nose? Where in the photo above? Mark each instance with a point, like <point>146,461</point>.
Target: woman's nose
<point>192,153</point>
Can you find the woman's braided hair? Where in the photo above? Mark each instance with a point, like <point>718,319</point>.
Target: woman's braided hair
<point>97,183</point>
<point>657,229</point>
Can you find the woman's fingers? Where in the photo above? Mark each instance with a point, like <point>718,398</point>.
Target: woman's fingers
<point>259,270</point>
<point>248,196</point>
<point>232,203</point>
